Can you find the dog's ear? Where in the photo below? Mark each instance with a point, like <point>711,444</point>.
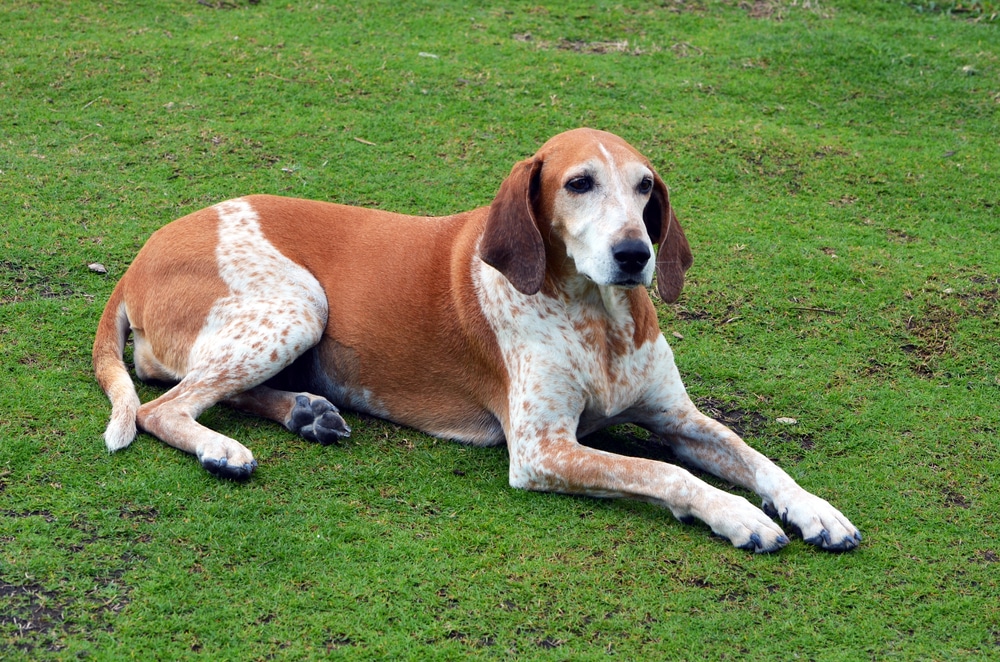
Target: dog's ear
<point>673,257</point>
<point>512,243</point>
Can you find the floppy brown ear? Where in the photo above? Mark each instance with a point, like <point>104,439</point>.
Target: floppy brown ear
<point>511,243</point>
<point>673,257</point>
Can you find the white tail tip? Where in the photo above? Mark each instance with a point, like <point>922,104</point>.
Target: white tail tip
<point>121,428</point>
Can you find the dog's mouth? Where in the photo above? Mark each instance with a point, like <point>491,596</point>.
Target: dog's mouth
<point>628,283</point>
<point>621,280</point>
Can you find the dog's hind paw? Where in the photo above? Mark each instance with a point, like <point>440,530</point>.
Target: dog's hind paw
<point>317,420</point>
<point>220,467</point>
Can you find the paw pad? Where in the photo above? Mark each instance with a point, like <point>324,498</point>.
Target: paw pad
<point>317,420</point>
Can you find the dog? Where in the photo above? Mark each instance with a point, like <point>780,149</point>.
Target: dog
<point>527,322</point>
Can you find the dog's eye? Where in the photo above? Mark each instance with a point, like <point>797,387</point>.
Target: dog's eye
<point>580,184</point>
<point>645,186</point>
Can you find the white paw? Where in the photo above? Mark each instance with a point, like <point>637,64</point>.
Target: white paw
<point>743,524</point>
<point>232,460</point>
<point>816,521</point>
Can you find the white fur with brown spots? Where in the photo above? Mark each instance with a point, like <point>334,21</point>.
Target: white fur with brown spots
<point>526,322</point>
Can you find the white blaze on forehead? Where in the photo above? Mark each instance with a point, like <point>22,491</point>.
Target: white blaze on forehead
<point>616,178</point>
<point>607,154</point>
<point>626,175</point>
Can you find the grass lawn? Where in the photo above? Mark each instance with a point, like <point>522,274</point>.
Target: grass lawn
<point>836,165</point>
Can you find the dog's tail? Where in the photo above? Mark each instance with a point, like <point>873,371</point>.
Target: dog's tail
<point>109,367</point>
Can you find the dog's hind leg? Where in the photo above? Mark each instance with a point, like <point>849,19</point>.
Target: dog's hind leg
<point>248,337</point>
<point>234,355</point>
<point>245,341</point>
<point>305,414</point>
<point>268,312</point>
<point>173,418</point>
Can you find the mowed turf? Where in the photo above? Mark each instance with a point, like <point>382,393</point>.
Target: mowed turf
<point>835,166</point>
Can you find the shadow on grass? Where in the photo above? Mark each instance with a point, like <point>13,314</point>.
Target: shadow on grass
<point>636,442</point>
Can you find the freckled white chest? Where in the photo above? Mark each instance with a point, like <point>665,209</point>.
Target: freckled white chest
<point>556,357</point>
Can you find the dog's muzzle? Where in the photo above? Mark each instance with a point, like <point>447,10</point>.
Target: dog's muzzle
<point>631,257</point>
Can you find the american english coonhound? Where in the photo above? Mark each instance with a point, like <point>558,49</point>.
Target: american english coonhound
<point>526,322</point>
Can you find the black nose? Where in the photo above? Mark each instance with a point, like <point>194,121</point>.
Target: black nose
<point>631,255</point>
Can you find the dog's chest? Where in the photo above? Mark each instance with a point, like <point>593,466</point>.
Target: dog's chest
<point>573,355</point>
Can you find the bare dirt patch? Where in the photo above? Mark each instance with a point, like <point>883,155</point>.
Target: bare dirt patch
<point>930,333</point>
<point>580,46</point>
<point>19,282</point>
<point>777,10</point>
<point>37,616</point>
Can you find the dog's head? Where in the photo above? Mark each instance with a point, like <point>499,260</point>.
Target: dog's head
<point>592,197</point>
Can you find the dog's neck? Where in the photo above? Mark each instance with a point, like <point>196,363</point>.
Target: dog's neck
<point>575,291</point>
<point>567,284</point>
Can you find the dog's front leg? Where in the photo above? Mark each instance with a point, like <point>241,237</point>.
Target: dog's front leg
<point>710,446</point>
<point>549,459</point>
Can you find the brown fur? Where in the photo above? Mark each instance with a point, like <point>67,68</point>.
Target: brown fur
<point>523,322</point>
<point>424,271</point>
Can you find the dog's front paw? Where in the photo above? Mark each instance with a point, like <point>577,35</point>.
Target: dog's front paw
<point>744,525</point>
<point>817,522</point>
<point>317,420</point>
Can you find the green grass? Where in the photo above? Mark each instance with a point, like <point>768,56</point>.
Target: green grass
<point>835,166</point>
